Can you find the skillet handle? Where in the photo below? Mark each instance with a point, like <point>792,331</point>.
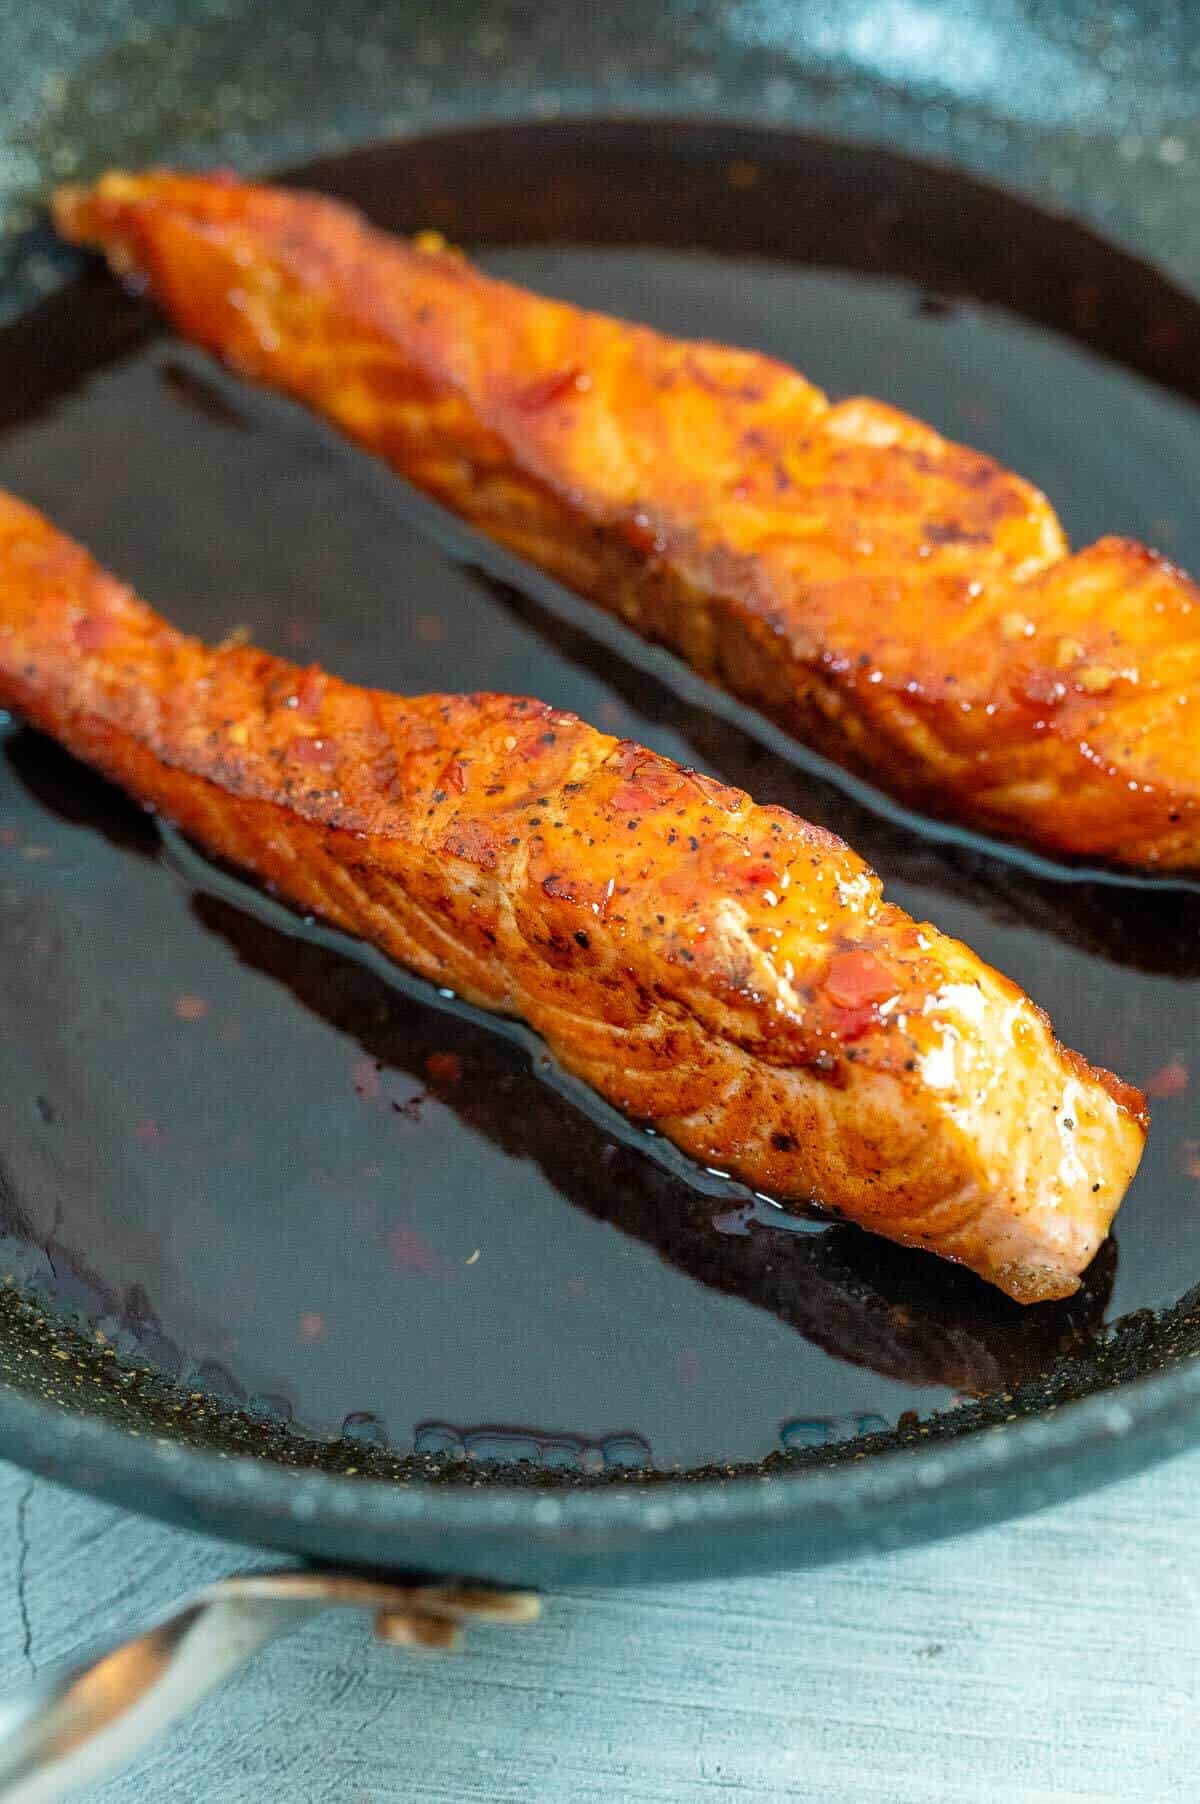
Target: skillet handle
<point>83,1721</point>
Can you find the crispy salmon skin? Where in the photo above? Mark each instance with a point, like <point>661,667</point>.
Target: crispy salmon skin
<point>726,972</point>
<point>899,602</point>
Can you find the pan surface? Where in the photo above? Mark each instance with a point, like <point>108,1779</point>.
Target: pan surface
<point>266,1196</point>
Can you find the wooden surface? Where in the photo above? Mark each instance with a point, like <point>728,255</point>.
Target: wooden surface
<point>1051,1660</point>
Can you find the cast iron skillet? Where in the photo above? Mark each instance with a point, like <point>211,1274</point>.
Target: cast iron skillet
<point>1035,104</point>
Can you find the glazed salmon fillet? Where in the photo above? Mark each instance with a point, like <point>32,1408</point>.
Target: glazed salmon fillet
<point>725,972</point>
<point>899,602</point>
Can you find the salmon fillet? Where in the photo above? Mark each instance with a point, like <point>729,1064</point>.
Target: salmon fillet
<point>725,972</point>
<point>899,602</point>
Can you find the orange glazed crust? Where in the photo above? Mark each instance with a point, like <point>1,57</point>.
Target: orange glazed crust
<point>725,971</point>
<point>898,601</point>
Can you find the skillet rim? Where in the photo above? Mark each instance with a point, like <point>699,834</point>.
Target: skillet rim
<point>602,1534</point>
<point>892,1499</point>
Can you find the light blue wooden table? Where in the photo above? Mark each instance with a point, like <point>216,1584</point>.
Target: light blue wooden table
<point>1050,1661</point>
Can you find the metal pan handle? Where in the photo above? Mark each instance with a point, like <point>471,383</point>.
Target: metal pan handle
<point>83,1721</point>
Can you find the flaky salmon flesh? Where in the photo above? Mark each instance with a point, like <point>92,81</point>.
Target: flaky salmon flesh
<point>724,972</point>
<point>899,602</point>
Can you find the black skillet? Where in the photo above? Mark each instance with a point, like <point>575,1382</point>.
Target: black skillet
<point>305,1255</point>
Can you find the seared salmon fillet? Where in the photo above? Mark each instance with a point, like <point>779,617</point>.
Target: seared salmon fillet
<point>899,602</point>
<point>725,972</point>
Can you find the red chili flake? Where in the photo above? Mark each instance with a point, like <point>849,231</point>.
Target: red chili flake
<point>852,1023</point>
<point>1170,1079</point>
<point>411,1252</point>
<point>743,488</point>
<point>759,875</point>
<point>856,979</point>
<point>444,1067</point>
<point>318,754</point>
<point>364,1075</point>
<point>191,1008</point>
<point>649,782</point>
<point>312,1327</point>
<point>641,533</point>
<point>454,776</point>
<point>1045,687</point>
<point>646,792</point>
<point>92,632</point>
<point>635,799</point>
<point>720,794</point>
<point>549,389</point>
<point>310,692</point>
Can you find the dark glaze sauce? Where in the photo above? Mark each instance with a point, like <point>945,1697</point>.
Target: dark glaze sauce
<point>288,1174</point>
